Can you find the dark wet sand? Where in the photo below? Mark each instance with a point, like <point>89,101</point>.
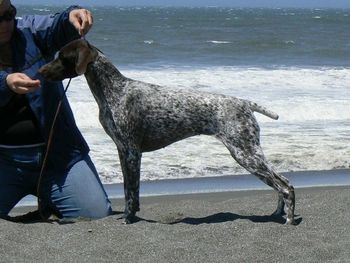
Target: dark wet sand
<point>214,227</point>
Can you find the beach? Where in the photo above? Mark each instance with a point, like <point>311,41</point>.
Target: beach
<point>197,205</point>
<point>204,227</point>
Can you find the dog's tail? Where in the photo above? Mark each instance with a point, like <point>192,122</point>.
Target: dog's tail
<point>263,110</point>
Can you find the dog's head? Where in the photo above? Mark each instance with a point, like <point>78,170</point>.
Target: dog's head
<point>72,61</point>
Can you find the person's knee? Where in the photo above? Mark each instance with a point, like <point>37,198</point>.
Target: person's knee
<point>94,204</point>
<point>81,193</point>
<point>101,211</point>
<point>87,208</point>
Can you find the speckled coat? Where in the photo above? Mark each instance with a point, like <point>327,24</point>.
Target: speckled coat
<point>142,117</point>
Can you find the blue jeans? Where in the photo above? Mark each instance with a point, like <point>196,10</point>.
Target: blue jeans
<point>74,193</point>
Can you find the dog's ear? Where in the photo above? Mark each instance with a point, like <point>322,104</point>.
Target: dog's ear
<point>85,56</point>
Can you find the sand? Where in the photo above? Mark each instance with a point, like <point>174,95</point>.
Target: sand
<point>215,227</point>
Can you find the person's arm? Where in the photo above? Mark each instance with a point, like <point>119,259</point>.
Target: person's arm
<point>5,92</point>
<point>15,83</point>
<point>52,32</point>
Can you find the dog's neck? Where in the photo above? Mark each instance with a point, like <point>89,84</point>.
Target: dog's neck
<point>104,80</point>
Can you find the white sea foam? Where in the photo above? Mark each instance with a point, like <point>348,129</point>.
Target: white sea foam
<point>312,132</point>
<point>42,9</point>
<point>218,42</point>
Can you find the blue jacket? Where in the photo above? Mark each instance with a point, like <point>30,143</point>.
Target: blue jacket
<point>35,41</point>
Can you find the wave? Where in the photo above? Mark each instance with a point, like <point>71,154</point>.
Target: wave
<point>42,9</point>
<point>218,42</point>
<point>311,134</point>
<point>297,95</point>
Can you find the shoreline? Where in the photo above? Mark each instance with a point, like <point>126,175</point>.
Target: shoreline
<point>231,183</point>
<point>222,195</point>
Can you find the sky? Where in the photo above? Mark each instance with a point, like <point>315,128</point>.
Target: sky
<point>219,3</point>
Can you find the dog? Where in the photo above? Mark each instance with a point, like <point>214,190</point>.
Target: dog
<point>142,117</point>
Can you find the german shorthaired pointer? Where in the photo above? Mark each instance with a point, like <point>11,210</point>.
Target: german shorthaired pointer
<point>142,117</point>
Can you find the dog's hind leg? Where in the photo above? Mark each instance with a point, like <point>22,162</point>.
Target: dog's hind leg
<point>280,205</point>
<point>256,164</point>
<point>248,153</point>
<point>130,160</point>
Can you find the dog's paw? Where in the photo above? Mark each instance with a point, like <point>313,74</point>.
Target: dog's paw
<point>291,222</point>
<point>129,219</point>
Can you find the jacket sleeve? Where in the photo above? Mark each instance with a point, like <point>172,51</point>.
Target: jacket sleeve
<point>5,92</point>
<point>52,32</point>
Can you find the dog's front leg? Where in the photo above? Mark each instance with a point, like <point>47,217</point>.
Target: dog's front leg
<point>130,160</point>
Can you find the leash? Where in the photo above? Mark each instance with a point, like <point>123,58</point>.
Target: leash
<point>48,146</point>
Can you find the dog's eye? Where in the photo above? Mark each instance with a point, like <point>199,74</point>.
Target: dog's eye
<point>64,59</point>
<point>60,56</point>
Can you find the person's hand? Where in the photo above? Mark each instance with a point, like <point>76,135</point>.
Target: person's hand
<point>82,20</point>
<point>22,84</point>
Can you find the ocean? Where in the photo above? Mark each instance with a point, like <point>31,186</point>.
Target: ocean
<point>295,62</point>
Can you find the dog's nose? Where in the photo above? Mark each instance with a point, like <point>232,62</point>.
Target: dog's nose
<point>42,71</point>
<point>45,72</point>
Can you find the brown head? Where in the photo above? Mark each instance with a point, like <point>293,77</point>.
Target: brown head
<point>7,21</point>
<point>72,61</point>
